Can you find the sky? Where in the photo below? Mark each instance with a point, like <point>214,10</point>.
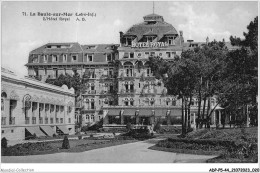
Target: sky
<point>21,34</point>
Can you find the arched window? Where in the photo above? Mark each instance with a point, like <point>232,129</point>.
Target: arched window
<point>3,97</point>
<point>129,69</point>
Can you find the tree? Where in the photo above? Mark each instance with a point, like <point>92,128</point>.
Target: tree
<point>241,71</point>
<point>65,143</point>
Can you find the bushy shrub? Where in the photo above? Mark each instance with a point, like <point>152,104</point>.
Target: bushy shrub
<point>91,135</point>
<point>128,126</point>
<point>80,137</point>
<point>54,135</point>
<point>65,143</point>
<point>84,128</point>
<point>34,136</point>
<point>157,127</point>
<point>4,142</point>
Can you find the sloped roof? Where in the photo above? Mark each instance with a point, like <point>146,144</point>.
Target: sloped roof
<point>73,47</point>
<point>92,48</point>
<point>159,28</point>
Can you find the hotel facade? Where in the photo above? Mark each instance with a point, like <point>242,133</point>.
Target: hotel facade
<point>120,86</point>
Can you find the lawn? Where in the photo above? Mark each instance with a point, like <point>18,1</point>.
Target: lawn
<point>50,147</point>
<point>232,145</point>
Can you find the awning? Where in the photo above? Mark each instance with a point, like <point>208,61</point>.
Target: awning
<point>158,112</point>
<point>35,130</point>
<point>48,130</point>
<point>129,112</point>
<point>145,112</point>
<point>113,112</point>
<point>63,129</point>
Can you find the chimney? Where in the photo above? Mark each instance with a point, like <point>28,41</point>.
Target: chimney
<point>181,38</point>
<point>121,36</point>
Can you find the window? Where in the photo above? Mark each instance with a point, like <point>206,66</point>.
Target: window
<point>54,58</point>
<point>57,120</point>
<point>51,120</point>
<point>35,59</point>
<point>3,121</point>
<point>149,38</point>
<point>61,120</point>
<point>92,117</point>
<point>111,88</point>
<point>168,54</point>
<point>92,87</point>
<point>139,85</point>
<point>128,41</point>
<point>45,71</point>
<point>129,69</point>
<point>3,131</point>
<point>2,105</point>
<point>64,58</point>
<point>170,41</point>
<point>174,103</point>
<point>90,58</point>
<point>74,58</point>
<point>109,57</point>
<point>92,105</point>
<point>69,120</point>
<point>126,103</point>
<point>87,117</point>
<point>132,87</point>
<point>139,55</point>
<point>132,103</point>
<point>148,72</point>
<point>131,55</point>
<point>110,72</point>
<point>12,131</point>
<point>55,73</point>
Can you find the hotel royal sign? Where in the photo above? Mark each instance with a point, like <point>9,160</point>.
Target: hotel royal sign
<point>149,44</point>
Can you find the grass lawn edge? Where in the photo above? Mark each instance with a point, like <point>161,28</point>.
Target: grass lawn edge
<point>185,151</point>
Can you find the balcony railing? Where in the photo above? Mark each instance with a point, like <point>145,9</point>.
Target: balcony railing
<point>128,91</point>
<point>27,120</point>
<point>92,92</point>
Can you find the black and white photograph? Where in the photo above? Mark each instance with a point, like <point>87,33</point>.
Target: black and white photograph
<point>129,86</point>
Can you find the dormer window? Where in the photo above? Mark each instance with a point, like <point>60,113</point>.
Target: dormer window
<point>128,41</point>
<point>64,58</point>
<point>45,58</point>
<point>90,58</point>
<point>149,38</point>
<point>170,41</point>
<point>109,57</point>
<point>54,58</point>
<point>74,58</point>
<point>131,55</point>
<point>35,59</point>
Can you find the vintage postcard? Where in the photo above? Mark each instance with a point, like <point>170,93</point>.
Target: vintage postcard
<point>136,84</point>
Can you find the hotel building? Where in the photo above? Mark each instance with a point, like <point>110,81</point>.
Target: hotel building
<point>124,90</point>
